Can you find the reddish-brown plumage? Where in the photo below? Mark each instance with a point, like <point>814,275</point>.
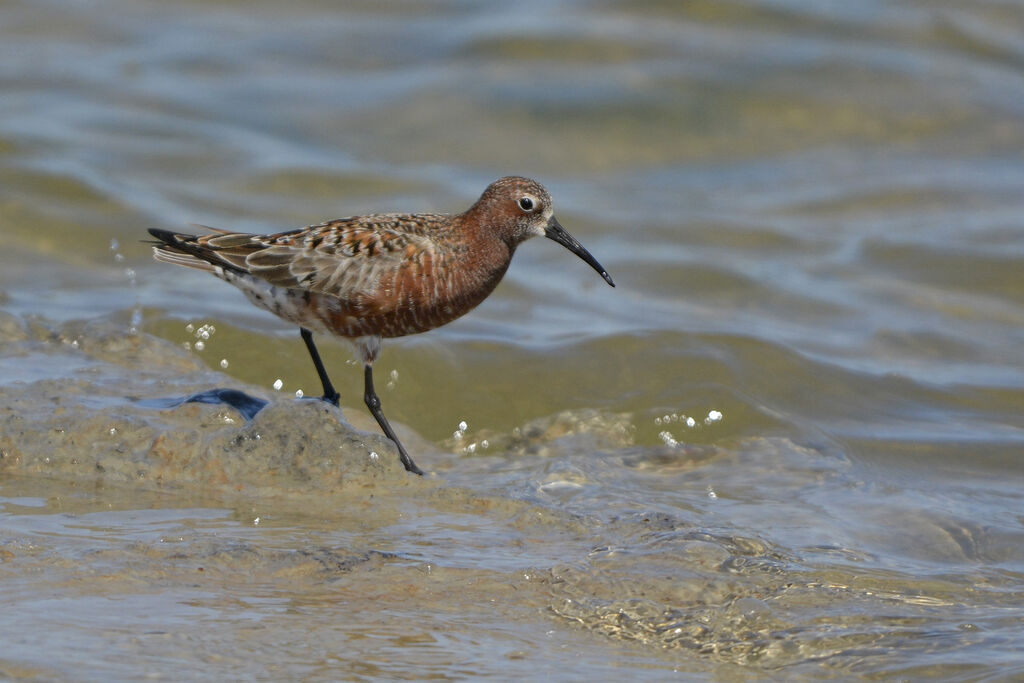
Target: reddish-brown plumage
<point>381,275</point>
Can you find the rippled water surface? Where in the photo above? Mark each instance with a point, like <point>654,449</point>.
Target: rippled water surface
<point>788,445</point>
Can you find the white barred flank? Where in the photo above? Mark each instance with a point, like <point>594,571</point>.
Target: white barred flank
<point>289,304</point>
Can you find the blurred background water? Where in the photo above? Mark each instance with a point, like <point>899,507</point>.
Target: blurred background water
<point>788,444</point>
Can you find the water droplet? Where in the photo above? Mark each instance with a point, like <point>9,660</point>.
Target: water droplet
<point>203,332</point>
<point>298,393</point>
<point>114,245</point>
<point>278,384</point>
<point>374,456</point>
<point>713,416</point>
<point>224,363</point>
<point>691,423</point>
<point>463,426</point>
<point>199,345</point>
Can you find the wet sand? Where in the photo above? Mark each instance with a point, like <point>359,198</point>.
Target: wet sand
<point>295,545</point>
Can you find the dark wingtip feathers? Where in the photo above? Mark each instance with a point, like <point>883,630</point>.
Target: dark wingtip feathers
<point>171,239</point>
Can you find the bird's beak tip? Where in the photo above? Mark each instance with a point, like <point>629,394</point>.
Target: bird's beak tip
<point>555,231</point>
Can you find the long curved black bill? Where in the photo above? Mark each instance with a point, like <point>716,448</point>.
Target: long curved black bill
<point>555,231</point>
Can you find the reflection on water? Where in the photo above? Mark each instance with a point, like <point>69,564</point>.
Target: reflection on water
<point>813,215</point>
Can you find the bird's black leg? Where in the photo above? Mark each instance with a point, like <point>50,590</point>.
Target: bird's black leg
<point>373,403</point>
<point>330,395</point>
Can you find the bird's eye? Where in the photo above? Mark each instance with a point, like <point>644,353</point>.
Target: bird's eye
<point>526,203</point>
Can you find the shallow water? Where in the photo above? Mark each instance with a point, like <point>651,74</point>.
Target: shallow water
<point>787,445</point>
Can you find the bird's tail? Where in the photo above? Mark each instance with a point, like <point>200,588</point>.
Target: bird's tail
<point>179,249</point>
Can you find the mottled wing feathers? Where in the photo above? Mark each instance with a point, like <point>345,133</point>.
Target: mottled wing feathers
<point>338,258</point>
